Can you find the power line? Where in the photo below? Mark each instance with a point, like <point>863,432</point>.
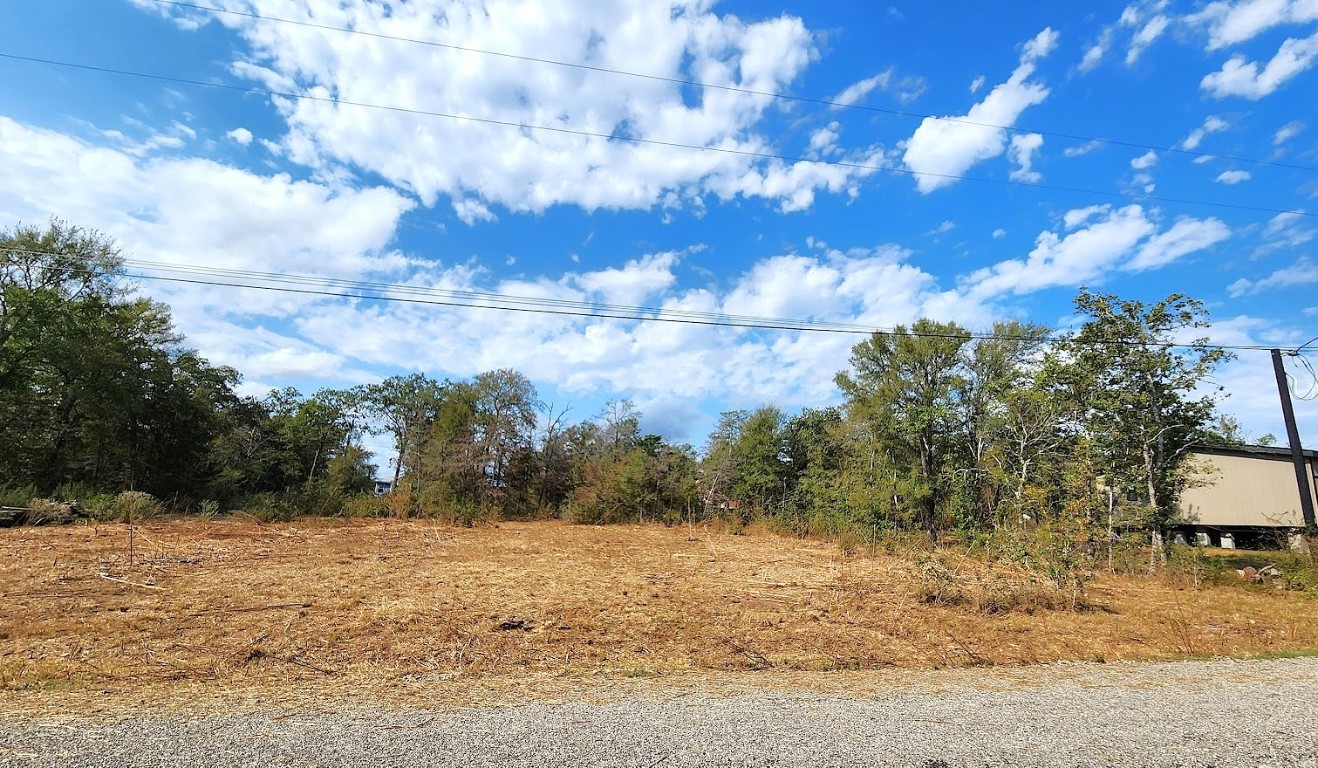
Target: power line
<point>653,142</point>
<point>375,291</point>
<point>729,88</point>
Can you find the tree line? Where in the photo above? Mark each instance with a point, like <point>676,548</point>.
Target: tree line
<point>938,428</point>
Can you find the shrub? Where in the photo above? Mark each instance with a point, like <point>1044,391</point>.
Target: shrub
<point>17,496</point>
<point>135,506</point>
<point>365,505</point>
<point>267,508</point>
<point>444,508</point>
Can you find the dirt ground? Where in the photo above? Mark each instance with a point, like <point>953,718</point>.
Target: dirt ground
<point>242,614</point>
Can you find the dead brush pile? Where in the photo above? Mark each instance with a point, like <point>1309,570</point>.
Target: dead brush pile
<point>991,588</point>
<point>340,609</point>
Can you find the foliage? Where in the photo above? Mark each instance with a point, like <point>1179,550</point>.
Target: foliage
<point>1130,391</point>
<point>135,506</point>
<point>1006,439</point>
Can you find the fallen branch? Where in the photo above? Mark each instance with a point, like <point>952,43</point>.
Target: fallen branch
<point>118,580</point>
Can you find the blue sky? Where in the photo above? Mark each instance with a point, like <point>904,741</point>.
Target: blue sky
<point>877,216</point>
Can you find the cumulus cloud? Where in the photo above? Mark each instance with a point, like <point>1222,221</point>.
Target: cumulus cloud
<point>240,136</point>
<point>857,91</point>
<point>1146,160</point>
<point>1022,149</point>
<point>484,167</point>
<point>1082,149</point>
<point>1233,22</point>
<point>1185,237</point>
<point>1094,241</point>
<point>1287,132</point>
<point>1212,124</point>
<point>1142,39</point>
<point>171,210</point>
<point>1094,53</point>
<point>1250,80</point>
<point>1232,177</point>
<point>1302,272</point>
<point>940,148</point>
<point>1284,231</point>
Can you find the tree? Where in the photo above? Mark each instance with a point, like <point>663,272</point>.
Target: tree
<point>1131,378</point>
<point>406,406</point>
<point>95,387</point>
<point>506,411</point>
<point>905,385</point>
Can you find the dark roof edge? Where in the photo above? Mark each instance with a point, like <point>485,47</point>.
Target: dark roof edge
<point>1261,451</point>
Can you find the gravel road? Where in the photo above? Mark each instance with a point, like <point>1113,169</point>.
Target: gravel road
<point>1216,713</point>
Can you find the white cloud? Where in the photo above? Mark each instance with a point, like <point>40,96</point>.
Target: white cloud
<point>1077,216</point>
<point>1233,177</point>
<point>823,141</point>
<point>1040,45</point>
<point>1185,237</point>
<point>999,233</point>
<point>1123,238</point>
<point>1247,79</point>
<point>632,284</point>
<point>484,167</point>
<point>1146,160</point>
<point>1284,231</point>
<point>193,211</point>
<point>1302,272</point>
<point>857,91</point>
<point>1022,149</point>
<point>940,149</point>
<point>1230,23</point>
<point>1212,124</point>
<point>1094,53</point>
<point>1142,39</point>
<point>1082,149</point>
<point>240,136</point>
<point>1287,132</point>
<point>977,83</point>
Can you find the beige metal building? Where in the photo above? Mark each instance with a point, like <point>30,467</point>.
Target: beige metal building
<point>1243,494</point>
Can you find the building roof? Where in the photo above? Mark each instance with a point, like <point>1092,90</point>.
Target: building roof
<point>1255,451</point>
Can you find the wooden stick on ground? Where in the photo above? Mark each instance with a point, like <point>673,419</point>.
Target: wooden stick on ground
<point>116,579</point>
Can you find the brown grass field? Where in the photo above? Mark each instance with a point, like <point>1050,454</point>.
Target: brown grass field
<point>322,611</point>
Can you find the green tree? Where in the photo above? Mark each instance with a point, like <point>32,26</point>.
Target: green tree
<point>405,405</point>
<point>905,387</point>
<point>1132,379</point>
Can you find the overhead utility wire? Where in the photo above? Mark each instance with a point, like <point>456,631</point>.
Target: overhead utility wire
<point>731,88</point>
<point>280,277</point>
<point>589,310</point>
<point>654,142</point>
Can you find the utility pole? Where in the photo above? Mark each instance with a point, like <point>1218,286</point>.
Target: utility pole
<point>1293,437</point>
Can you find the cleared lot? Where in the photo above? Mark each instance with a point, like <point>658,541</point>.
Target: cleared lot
<point>233,612</point>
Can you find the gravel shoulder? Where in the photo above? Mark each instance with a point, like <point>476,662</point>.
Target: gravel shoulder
<point>1206,713</point>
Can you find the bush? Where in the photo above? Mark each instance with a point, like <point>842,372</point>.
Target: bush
<point>444,508</point>
<point>267,508</point>
<point>135,506</point>
<point>1193,566</point>
<point>17,496</point>
<point>365,505</point>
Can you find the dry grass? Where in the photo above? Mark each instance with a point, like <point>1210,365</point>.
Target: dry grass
<point>317,610</point>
